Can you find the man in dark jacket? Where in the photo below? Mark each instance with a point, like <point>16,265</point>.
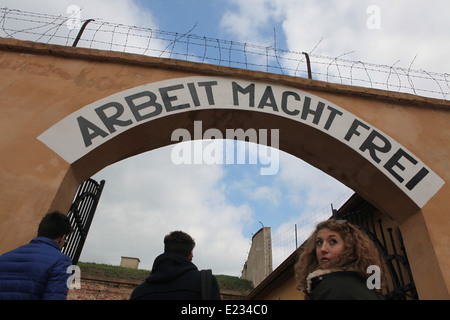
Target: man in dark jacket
<point>38,270</point>
<point>174,276</point>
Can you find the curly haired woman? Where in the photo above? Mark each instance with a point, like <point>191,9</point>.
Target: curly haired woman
<point>334,262</point>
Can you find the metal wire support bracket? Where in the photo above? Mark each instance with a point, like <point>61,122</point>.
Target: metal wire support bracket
<point>81,32</point>
<point>308,64</point>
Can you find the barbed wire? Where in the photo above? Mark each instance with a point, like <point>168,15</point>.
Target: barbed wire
<point>99,34</point>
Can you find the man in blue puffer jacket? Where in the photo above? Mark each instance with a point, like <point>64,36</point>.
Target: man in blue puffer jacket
<point>38,270</point>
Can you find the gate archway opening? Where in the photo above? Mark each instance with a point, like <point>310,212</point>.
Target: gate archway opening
<point>228,202</point>
<point>93,108</point>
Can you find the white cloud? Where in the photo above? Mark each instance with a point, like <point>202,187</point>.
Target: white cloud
<point>251,18</point>
<point>116,11</point>
<point>308,187</point>
<point>411,33</point>
<point>309,193</point>
<point>109,30</point>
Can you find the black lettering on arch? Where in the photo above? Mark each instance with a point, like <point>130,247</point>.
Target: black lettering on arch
<point>369,144</point>
<point>89,131</point>
<point>112,120</point>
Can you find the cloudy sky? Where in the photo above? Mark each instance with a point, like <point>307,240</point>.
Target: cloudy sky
<point>222,206</point>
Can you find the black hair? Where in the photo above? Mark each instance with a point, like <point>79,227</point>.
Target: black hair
<point>179,242</point>
<point>54,225</point>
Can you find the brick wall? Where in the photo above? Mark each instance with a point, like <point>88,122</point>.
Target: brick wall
<point>98,288</point>
<point>102,289</point>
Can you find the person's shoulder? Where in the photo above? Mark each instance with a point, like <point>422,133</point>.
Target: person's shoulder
<point>342,285</point>
<point>17,253</point>
<point>47,251</point>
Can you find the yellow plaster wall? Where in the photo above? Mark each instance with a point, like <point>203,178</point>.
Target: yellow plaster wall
<point>286,291</point>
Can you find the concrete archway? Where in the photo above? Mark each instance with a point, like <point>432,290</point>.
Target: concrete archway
<point>69,112</point>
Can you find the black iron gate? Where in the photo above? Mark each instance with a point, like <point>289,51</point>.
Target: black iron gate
<point>80,215</point>
<point>389,242</point>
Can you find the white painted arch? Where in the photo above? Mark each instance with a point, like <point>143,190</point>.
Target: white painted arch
<point>83,131</point>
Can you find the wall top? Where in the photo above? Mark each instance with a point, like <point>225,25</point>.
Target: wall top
<point>7,44</point>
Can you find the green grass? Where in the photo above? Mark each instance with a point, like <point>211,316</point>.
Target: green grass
<point>234,283</point>
<point>109,271</point>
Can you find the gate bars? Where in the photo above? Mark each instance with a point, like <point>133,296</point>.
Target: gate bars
<point>80,215</point>
<point>389,243</point>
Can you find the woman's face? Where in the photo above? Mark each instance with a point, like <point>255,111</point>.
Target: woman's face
<point>329,245</point>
